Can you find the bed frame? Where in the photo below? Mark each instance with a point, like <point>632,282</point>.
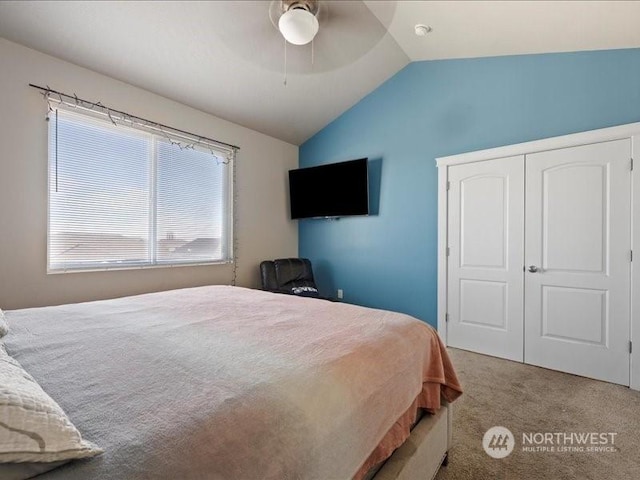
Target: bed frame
<point>420,456</point>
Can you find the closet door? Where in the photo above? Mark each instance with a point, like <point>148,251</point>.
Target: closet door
<point>484,268</point>
<point>578,245</point>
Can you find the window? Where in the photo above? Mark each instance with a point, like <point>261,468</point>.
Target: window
<point>123,197</point>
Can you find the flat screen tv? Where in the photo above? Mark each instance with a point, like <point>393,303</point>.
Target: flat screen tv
<point>332,190</point>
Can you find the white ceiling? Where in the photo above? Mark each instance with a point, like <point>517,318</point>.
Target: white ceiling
<point>226,58</point>
<point>465,29</point>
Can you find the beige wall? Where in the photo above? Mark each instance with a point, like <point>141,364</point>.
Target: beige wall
<point>263,228</point>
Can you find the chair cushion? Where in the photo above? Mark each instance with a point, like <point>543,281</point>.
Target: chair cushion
<point>294,272</point>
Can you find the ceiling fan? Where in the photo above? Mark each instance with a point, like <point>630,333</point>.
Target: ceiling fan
<point>308,36</point>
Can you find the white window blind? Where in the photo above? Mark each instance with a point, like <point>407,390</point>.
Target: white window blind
<point>122,197</point>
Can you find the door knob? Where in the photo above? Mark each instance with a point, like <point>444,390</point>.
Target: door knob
<point>533,268</point>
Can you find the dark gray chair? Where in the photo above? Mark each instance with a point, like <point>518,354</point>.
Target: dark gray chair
<point>293,276</point>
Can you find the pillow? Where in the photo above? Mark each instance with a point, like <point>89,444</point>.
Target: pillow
<point>4,328</point>
<point>33,427</point>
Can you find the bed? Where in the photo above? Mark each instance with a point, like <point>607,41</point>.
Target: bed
<point>223,382</point>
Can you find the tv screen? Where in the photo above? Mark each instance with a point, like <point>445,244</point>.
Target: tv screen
<point>333,190</point>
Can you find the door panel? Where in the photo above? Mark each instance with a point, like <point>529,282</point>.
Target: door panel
<point>578,213</point>
<point>575,314</point>
<point>482,211</point>
<point>483,303</point>
<point>578,239</point>
<point>484,274</point>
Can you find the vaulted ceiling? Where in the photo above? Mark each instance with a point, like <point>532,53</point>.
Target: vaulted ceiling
<point>227,58</point>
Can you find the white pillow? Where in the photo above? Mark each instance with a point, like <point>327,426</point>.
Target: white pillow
<point>4,328</point>
<point>33,427</point>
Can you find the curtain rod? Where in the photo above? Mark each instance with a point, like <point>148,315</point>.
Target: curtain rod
<point>75,99</point>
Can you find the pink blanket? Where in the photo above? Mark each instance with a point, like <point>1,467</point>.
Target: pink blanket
<point>354,375</point>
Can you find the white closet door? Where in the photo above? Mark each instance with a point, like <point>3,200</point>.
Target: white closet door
<point>577,284</point>
<point>485,278</point>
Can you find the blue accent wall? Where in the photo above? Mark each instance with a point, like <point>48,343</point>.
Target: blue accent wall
<point>432,109</point>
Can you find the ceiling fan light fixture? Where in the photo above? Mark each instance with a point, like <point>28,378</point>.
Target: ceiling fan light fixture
<point>298,26</point>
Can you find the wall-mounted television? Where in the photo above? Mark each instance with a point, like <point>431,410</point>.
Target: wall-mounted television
<point>332,190</point>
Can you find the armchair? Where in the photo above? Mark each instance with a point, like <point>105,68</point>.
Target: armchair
<point>293,276</point>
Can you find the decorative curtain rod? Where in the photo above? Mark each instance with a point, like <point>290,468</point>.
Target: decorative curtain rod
<point>73,100</point>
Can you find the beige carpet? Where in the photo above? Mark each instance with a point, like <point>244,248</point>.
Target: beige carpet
<point>527,399</point>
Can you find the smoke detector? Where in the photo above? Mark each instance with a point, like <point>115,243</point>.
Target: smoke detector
<point>422,30</point>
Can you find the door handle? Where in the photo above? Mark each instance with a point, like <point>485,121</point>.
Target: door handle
<point>533,268</point>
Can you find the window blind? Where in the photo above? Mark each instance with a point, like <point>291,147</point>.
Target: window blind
<point>121,197</point>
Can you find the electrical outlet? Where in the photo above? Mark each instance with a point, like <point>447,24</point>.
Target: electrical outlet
<point>340,294</point>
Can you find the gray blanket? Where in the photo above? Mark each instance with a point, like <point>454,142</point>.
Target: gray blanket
<point>187,384</point>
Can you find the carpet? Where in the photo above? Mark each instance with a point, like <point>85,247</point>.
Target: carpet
<point>530,401</point>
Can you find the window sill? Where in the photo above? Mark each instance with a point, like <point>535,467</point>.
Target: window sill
<point>58,271</point>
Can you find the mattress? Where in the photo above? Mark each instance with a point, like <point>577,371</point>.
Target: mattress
<point>226,382</point>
